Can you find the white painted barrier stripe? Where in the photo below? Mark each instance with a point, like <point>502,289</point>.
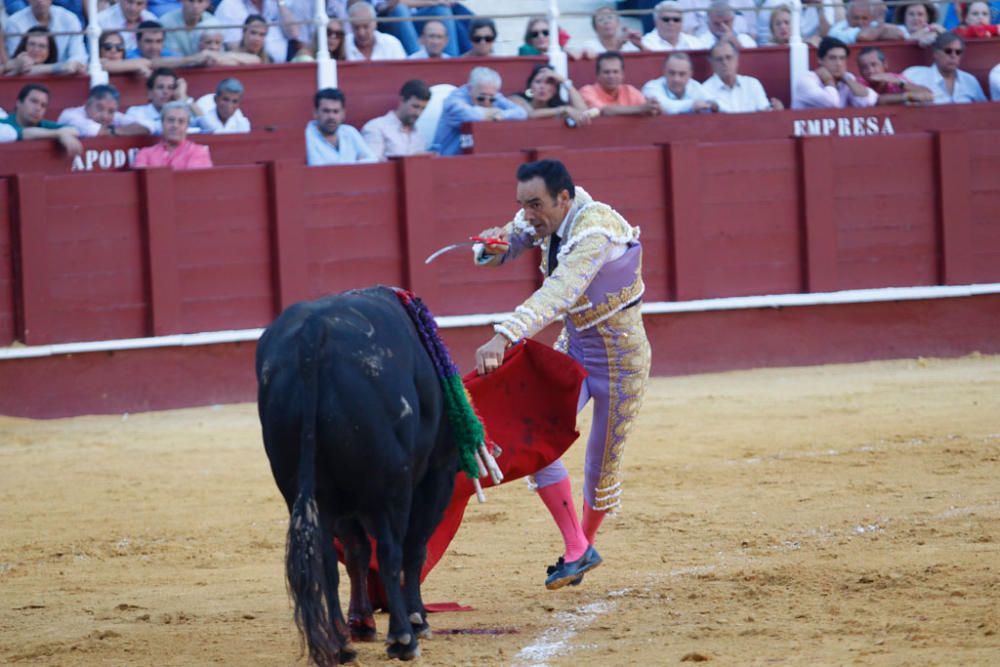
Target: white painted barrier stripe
<point>461,321</point>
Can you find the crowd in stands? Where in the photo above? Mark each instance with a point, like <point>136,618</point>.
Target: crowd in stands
<point>157,39</point>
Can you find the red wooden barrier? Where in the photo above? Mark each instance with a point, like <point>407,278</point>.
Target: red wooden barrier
<point>130,254</point>
<point>632,131</point>
<point>8,322</point>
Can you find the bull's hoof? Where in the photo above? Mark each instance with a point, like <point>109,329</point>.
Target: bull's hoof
<point>362,628</point>
<point>420,626</point>
<point>403,651</point>
<point>347,654</point>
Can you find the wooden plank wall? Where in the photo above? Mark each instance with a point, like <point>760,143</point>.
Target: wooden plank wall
<point>152,252</point>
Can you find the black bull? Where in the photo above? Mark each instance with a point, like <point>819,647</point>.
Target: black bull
<point>364,450</point>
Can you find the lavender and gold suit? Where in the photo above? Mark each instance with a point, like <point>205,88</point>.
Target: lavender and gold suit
<point>595,289</point>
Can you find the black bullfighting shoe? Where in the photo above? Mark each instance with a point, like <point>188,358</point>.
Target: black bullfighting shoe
<point>563,573</point>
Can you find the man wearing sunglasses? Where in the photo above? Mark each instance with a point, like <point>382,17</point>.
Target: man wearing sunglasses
<point>482,34</point>
<point>949,84</point>
<point>668,36</point>
<point>479,99</point>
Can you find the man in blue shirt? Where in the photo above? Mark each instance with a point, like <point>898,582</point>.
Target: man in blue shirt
<point>479,99</point>
<point>949,84</point>
<point>328,139</point>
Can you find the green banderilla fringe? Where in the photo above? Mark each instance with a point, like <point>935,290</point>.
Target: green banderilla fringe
<point>466,430</point>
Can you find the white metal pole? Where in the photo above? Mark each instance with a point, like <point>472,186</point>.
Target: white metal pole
<point>97,74</point>
<point>798,51</point>
<point>326,67</point>
<point>557,57</point>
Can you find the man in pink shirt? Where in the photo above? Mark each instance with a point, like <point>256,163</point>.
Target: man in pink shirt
<point>175,150</point>
<point>611,95</point>
<point>830,85</point>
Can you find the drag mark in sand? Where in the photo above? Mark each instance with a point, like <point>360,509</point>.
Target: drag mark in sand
<point>555,641</point>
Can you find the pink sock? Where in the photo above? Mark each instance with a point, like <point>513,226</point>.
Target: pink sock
<point>591,521</point>
<point>558,498</point>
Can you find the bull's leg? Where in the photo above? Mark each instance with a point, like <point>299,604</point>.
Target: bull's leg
<point>401,641</point>
<point>357,556</point>
<point>429,503</point>
<point>335,613</point>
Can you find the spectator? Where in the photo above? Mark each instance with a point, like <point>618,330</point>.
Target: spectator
<point>611,95</point>
<point>162,86</point>
<point>919,22</point>
<point>696,17</point>
<point>612,35</point>
<point>395,133</point>
<point>479,99</point>
<point>863,25</point>
<point>124,17</point>
<point>367,43</point>
<point>54,19</point>
<point>831,86</point>
<point>328,139</point>
<point>891,88</point>
<point>276,36</point>
<point>191,18</point>
<point>111,50</point>
<point>36,55</point>
<point>433,40</point>
<point>151,48</point>
<point>977,22</point>
<point>482,34</point>
<point>100,115</point>
<point>223,115</point>
<point>161,7</point>
<point>668,35</point>
<point>210,42</point>
<point>648,20</point>
<point>28,120</point>
<point>676,91</point>
<point>442,10</point>
<point>536,37</point>
<point>719,26</point>
<point>995,84</point>
<point>815,21</point>
<point>541,98</point>
<point>254,39</point>
<point>949,84</point>
<point>733,92</point>
<point>175,150</point>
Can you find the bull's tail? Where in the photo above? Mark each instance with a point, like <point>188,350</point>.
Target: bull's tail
<point>305,548</point>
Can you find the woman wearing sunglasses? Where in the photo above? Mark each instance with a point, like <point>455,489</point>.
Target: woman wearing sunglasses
<point>536,37</point>
<point>111,49</point>
<point>541,97</point>
<point>482,35</point>
<point>335,43</point>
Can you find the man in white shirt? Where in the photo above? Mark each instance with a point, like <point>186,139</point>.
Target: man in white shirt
<point>328,139</point>
<point>863,24</point>
<point>733,92</point>
<point>831,86</point>
<point>235,12</point>
<point>433,40</point>
<point>719,26</point>
<point>949,84</point>
<point>162,86</point>
<point>367,43</point>
<point>124,16</point>
<point>995,84</point>
<point>55,20</point>
<point>192,15</point>
<point>668,35</point>
<point>696,17</point>
<point>222,115</point>
<point>675,91</point>
<point>100,115</point>
<point>395,133</point>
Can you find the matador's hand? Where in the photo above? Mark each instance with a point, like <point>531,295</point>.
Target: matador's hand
<point>490,356</point>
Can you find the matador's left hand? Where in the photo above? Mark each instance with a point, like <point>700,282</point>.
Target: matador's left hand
<point>490,356</point>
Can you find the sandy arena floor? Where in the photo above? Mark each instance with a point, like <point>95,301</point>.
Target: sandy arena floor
<point>833,515</point>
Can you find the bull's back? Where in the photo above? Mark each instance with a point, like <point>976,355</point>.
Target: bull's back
<point>378,399</point>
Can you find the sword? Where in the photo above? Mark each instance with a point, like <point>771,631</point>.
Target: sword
<point>473,240</point>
